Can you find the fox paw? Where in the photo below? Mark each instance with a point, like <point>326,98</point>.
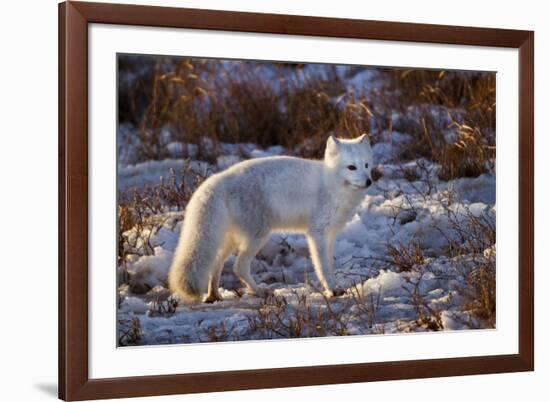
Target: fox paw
<point>334,292</point>
<point>213,298</point>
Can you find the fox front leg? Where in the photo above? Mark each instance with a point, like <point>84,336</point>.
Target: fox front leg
<point>319,248</point>
<point>331,237</point>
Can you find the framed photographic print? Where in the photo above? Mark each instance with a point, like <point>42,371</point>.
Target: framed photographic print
<point>258,200</point>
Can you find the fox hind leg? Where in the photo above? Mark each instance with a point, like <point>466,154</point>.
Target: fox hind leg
<point>214,280</point>
<point>213,285</point>
<point>248,250</point>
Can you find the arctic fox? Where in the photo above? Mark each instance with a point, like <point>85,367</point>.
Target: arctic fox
<point>238,209</point>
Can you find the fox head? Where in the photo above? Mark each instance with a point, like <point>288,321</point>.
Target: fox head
<point>351,160</point>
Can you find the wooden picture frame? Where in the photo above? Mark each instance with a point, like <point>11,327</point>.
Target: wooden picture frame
<point>74,381</point>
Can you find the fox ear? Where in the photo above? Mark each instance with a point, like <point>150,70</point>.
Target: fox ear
<point>364,139</point>
<point>333,145</point>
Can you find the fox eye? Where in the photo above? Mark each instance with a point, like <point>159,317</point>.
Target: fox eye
<point>352,167</point>
<point>366,165</point>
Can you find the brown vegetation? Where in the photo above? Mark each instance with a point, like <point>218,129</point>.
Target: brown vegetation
<point>450,114</point>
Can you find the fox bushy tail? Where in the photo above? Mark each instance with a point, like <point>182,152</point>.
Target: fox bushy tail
<point>201,237</point>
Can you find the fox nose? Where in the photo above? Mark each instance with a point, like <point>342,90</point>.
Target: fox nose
<point>369,182</point>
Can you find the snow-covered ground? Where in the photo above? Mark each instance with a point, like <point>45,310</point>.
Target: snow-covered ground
<point>393,258</point>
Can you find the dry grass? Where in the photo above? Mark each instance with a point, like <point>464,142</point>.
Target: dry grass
<point>367,306</point>
<point>469,247</point>
<point>130,333</point>
<point>477,266</point>
<point>237,102</point>
<point>278,317</point>
<point>405,258</point>
<point>451,115</point>
<point>471,242</point>
<point>141,214</point>
<point>427,316</point>
<point>163,308</point>
<point>473,91</point>
<point>468,156</point>
<point>401,257</point>
<point>479,294</point>
<point>186,100</point>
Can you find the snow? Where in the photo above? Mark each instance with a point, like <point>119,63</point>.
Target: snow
<point>150,172</point>
<point>394,212</point>
<point>134,304</point>
<point>388,283</point>
<point>362,80</point>
<point>402,212</point>
<point>271,151</point>
<point>387,148</point>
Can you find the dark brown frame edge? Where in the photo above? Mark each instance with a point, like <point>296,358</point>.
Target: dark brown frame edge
<point>74,18</point>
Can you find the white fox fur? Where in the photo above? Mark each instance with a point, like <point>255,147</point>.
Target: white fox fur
<point>238,209</point>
